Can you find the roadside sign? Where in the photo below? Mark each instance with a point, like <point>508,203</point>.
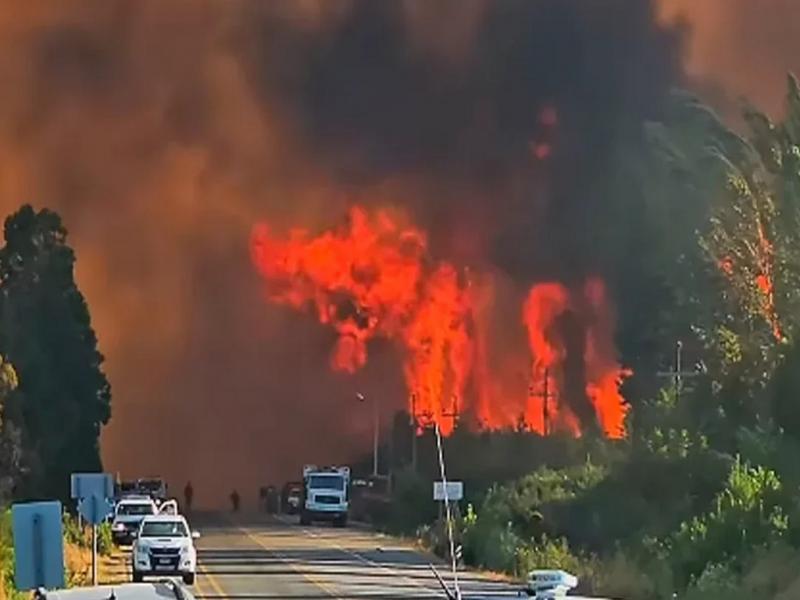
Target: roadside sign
<point>94,509</point>
<point>93,491</point>
<point>85,485</point>
<point>38,545</point>
<point>455,491</point>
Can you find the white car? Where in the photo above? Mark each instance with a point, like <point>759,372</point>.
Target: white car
<point>162,590</point>
<point>128,515</point>
<point>164,546</point>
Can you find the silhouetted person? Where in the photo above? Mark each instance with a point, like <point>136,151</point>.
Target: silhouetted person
<point>188,495</point>
<point>235,500</point>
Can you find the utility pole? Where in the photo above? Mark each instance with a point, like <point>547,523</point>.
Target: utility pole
<point>677,374</point>
<point>545,395</point>
<point>375,431</point>
<point>453,414</point>
<point>413,424</point>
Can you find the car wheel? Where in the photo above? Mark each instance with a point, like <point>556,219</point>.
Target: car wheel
<point>188,578</point>
<point>137,577</point>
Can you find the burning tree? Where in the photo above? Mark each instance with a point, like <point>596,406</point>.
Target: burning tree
<point>738,270</point>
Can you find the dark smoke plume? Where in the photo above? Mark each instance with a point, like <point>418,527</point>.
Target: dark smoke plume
<point>162,131</point>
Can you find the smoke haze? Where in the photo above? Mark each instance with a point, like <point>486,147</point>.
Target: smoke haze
<point>163,131</point>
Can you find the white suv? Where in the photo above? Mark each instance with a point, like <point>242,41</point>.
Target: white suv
<point>164,546</point>
<point>128,516</point>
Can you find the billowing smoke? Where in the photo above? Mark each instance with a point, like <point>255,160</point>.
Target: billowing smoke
<point>163,132</point>
<point>737,49</point>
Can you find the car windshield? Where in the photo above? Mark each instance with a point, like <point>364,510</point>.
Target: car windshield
<point>139,508</point>
<point>164,529</point>
<point>151,485</point>
<point>326,482</point>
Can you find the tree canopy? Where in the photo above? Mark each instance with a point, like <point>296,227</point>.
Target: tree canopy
<point>63,396</point>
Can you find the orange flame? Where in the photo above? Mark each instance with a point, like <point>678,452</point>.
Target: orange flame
<point>545,304</point>
<point>372,277</point>
<point>764,281</point>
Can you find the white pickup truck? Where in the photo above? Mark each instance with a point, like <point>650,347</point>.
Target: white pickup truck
<point>164,546</point>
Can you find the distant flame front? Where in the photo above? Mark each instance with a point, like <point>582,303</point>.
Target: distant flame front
<point>373,277</point>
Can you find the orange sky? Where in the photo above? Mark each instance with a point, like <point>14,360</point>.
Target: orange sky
<point>137,123</point>
<point>739,47</point>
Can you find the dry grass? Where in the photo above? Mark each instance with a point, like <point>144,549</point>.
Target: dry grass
<point>110,569</point>
<point>114,568</point>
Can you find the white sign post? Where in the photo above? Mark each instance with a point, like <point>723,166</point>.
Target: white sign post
<point>455,491</point>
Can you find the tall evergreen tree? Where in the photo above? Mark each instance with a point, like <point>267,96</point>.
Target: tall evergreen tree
<point>63,396</point>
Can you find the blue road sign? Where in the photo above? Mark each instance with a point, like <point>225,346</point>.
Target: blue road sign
<point>95,508</point>
<point>38,545</point>
<point>85,485</point>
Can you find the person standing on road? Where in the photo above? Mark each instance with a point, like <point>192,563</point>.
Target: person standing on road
<point>235,500</point>
<point>188,494</point>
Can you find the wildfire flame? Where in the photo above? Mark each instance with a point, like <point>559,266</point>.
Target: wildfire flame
<point>763,280</point>
<point>549,410</point>
<point>373,277</point>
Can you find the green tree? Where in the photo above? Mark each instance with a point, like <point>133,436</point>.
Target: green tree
<point>10,442</point>
<point>734,262</point>
<point>63,396</point>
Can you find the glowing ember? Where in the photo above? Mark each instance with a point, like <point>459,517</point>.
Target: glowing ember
<point>372,277</point>
<point>548,116</point>
<point>541,150</point>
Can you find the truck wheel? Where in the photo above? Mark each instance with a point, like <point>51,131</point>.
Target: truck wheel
<point>340,521</point>
<point>137,577</point>
<point>188,578</point>
<point>305,518</point>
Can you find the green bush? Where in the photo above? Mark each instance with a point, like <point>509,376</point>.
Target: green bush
<point>747,514</point>
<point>411,506</point>
<point>554,554</point>
<point>622,577</point>
<point>716,582</point>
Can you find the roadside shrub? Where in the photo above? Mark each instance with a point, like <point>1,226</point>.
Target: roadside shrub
<point>621,577</point>
<point>716,582</point>
<point>412,504</point>
<point>105,541</point>
<point>554,554</point>
<point>6,554</point>
<point>74,533</point>
<point>746,514</point>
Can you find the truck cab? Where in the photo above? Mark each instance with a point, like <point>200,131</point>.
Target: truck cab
<point>325,495</point>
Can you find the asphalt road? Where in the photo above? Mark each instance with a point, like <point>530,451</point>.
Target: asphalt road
<point>262,558</point>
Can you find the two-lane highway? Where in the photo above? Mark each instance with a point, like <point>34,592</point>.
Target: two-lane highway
<point>263,558</point>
